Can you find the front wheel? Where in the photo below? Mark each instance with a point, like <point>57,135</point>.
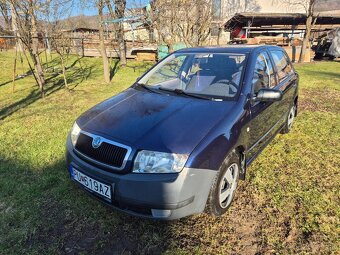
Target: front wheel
<point>223,189</point>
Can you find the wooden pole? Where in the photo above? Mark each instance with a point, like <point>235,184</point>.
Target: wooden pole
<point>32,71</point>
<point>14,69</point>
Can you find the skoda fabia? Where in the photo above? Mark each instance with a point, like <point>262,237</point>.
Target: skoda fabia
<point>180,138</point>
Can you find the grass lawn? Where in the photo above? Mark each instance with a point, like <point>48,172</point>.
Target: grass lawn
<point>289,203</point>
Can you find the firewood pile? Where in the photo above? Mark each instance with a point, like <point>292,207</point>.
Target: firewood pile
<point>269,40</point>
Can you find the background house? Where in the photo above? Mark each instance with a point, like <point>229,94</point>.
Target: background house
<point>225,10</point>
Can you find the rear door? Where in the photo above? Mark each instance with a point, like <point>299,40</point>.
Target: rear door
<point>264,115</point>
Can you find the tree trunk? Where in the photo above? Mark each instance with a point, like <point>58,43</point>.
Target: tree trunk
<point>106,64</point>
<point>120,10</point>
<point>34,52</point>
<point>18,42</point>
<point>305,42</point>
<point>63,68</point>
<point>219,35</point>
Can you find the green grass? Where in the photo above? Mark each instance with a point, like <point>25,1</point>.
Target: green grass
<point>289,203</point>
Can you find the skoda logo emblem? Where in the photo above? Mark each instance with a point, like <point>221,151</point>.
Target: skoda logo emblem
<point>96,142</point>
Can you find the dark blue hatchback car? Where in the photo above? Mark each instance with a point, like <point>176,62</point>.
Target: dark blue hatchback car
<point>177,141</point>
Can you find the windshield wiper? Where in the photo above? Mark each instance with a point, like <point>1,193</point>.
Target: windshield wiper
<point>147,87</point>
<point>182,92</point>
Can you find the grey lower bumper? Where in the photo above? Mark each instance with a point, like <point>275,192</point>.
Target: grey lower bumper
<point>160,196</point>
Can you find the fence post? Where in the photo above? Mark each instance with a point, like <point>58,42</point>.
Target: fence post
<point>82,47</point>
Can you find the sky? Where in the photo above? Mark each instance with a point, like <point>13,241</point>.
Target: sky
<point>79,8</point>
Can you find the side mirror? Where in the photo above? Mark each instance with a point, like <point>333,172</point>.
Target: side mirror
<point>268,95</point>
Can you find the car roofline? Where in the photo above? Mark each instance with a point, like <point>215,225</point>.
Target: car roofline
<point>237,49</point>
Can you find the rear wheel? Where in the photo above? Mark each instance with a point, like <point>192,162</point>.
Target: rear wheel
<point>223,189</point>
<point>290,120</point>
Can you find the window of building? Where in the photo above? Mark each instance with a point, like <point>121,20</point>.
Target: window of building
<point>216,9</point>
<point>215,31</point>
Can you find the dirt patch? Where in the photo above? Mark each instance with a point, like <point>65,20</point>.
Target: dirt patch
<point>80,234</point>
<point>239,231</point>
<point>247,228</point>
<point>251,226</point>
<point>320,100</point>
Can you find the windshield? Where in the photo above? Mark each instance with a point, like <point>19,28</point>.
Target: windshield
<point>210,74</point>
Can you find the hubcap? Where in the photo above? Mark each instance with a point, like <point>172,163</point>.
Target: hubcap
<point>291,117</point>
<point>228,185</point>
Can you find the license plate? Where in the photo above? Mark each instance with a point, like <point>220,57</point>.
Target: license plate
<point>92,184</point>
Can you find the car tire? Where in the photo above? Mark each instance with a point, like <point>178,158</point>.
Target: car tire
<point>289,120</point>
<point>223,189</point>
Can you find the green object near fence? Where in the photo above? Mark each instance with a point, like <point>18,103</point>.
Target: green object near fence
<point>178,46</point>
<point>163,50</point>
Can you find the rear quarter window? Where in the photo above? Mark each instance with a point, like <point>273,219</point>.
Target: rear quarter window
<point>282,63</point>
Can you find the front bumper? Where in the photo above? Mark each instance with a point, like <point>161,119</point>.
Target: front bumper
<point>158,196</point>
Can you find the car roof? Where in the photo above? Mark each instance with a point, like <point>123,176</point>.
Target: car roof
<point>242,49</point>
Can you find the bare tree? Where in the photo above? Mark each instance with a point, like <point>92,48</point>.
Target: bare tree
<point>34,47</point>
<point>120,6</point>
<point>15,29</point>
<point>117,13</point>
<point>163,20</point>
<point>106,65</point>
<point>194,26</point>
<point>183,20</point>
<point>27,25</point>
<point>308,6</point>
<point>62,46</point>
<point>191,21</point>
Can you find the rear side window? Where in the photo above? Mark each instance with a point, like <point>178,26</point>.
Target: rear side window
<point>283,66</point>
<point>263,73</point>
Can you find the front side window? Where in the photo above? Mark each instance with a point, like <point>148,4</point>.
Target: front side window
<point>264,76</point>
<point>283,66</point>
<point>209,74</point>
<point>169,71</point>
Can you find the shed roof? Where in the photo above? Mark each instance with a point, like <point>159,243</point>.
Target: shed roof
<point>270,19</point>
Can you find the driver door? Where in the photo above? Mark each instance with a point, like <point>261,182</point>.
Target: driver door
<point>263,114</point>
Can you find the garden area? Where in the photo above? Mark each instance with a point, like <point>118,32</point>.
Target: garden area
<point>288,204</point>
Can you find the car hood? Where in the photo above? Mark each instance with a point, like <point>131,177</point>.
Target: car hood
<point>152,121</point>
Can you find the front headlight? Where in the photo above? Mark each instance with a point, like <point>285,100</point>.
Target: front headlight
<point>159,162</point>
<point>75,133</point>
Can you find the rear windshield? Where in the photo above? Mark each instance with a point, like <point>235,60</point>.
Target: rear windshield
<point>209,74</point>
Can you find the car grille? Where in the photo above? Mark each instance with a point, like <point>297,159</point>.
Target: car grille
<point>108,154</point>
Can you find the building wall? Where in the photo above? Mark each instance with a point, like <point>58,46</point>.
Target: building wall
<point>279,6</point>
<point>230,7</point>
<point>137,35</point>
